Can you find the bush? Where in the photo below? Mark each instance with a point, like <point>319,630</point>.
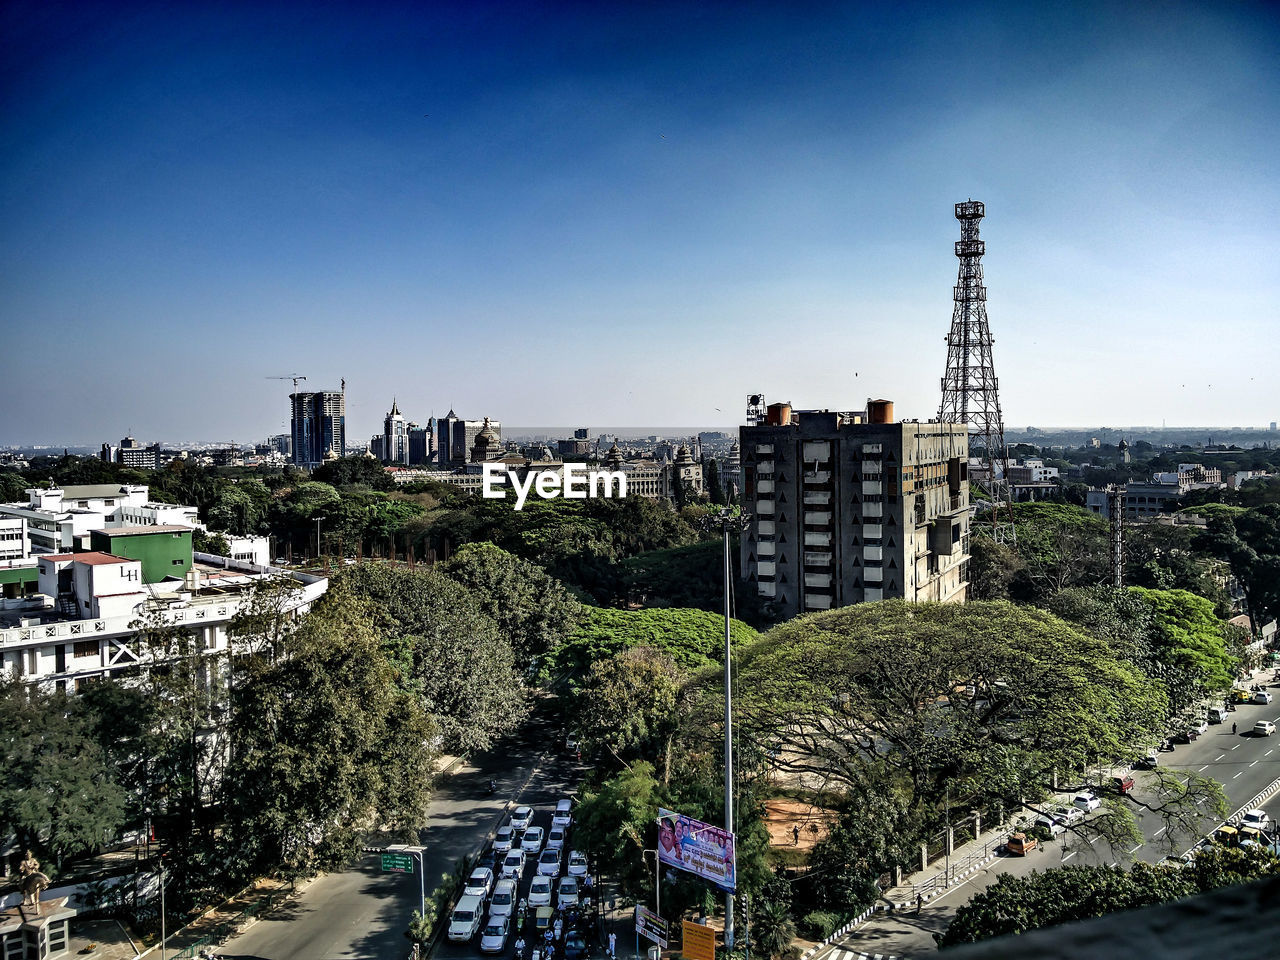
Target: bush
<point>820,924</point>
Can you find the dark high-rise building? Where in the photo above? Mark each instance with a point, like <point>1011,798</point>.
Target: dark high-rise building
<point>849,507</point>
<point>422,442</point>
<point>456,438</point>
<point>319,426</point>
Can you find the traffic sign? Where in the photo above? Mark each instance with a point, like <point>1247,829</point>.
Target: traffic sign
<point>650,925</point>
<point>699,942</point>
<point>397,863</point>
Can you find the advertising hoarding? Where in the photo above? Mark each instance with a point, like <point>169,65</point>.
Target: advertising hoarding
<point>697,847</point>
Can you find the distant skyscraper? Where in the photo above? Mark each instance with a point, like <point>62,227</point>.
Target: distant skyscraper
<point>422,442</point>
<point>395,437</point>
<point>319,427</point>
<point>456,438</point>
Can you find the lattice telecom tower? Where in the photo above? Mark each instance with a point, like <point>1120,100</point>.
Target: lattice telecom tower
<point>970,391</point>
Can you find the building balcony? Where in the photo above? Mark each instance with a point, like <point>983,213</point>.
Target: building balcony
<point>814,558</point>
<point>817,539</point>
<point>872,488</point>
<point>764,449</point>
<point>764,469</point>
<point>817,601</point>
<point>872,449</point>
<point>817,518</point>
<point>873,575</point>
<point>768,589</point>
<point>817,476</point>
<point>819,497</point>
<point>764,508</point>
<point>872,468</point>
<point>818,580</point>
<point>872,553</point>
<point>873,510</point>
<point>764,486</point>
<point>872,593</point>
<point>872,531</point>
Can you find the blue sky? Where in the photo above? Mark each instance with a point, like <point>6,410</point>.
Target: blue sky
<point>630,214</point>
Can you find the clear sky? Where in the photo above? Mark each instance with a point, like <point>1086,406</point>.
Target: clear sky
<point>628,214</point>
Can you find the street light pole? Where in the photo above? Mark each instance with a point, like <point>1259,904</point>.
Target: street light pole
<point>318,519</point>
<point>728,735</point>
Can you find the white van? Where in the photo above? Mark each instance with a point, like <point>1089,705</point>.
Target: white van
<point>465,920</point>
<point>564,813</point>
<point>1217,714</point>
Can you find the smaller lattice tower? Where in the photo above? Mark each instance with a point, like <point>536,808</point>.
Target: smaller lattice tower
<point>970,391</point>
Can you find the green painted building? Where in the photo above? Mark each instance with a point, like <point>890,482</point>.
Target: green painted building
<point>19,579</point>
<point>165,550</point>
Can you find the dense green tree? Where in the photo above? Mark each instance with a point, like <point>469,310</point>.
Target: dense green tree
<point>354,471</point>
<point>983,699</point>
<point>614,823</point>
<point>58,794</point>
<point>715,489</point>
<point>240,508</point>
<point>326,746</point>
<point>533,610</point>
<point>627,704</point>
<point>1015,905</point>
<point>1163,557</point>
<point>1059,546</point>
<point>992,567</point>
<point>1250,543</point>
<point>693,638</point>
<point>772,928</point>
<point>214,543</point>
<point>448,650</point>
<point>13,486</point>
<point>1189,635</point>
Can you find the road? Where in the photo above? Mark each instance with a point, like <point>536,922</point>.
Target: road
<point>1243,763</point>
<point>363,913</point>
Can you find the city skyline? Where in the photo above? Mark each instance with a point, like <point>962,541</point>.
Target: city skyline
<point>640,214</point>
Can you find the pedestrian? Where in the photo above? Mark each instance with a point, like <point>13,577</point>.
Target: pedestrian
<point>795,835</point>
<point>919,903</point>
<point>613,943</point>
<point>559,928</point>
<point>1233,728</point>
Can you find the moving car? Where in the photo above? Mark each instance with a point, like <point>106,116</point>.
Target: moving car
<point>465,919</point>
<point>1046,822</point>
<point>531,842</point>
<point>564,813</point>
<point>1258,819</point>
<point>502,839</point>
<point>540,892</point>
<point>1178,862</point>
<point>1264,728</point>
<point>513,865</point>
<point>1020,844</point>
<point>1261,696</point>
<point>555,838</point>
<point>479,883</point>
<point>577,864</point>
<point>521,817</point>
<point>575,947</point>
<point>1086,802</point>
<point>493,939</point>
<point>1152,759</point>
<point>1217,714</point>
<point>1066,815</point>
<point>503,903</point>
<point>1251,836</point>
<point>549,863</point>
<point>567,893</point>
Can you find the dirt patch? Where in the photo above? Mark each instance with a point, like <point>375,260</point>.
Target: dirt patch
<point>782,817</point>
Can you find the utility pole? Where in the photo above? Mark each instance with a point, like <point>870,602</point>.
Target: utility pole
<point>318,519</point>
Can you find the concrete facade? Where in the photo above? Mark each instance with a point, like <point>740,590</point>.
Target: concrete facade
<point>845,511</point>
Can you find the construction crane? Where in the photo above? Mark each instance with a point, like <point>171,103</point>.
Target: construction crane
<point>293,376</point>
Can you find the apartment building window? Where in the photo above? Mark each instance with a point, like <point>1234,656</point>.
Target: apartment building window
<point>85,648</point>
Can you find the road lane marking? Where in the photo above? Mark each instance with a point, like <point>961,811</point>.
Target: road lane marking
<point>1238,774</point>
<point>1205,767</point>
<point>1136,849</point>
<point>1254,764</point>
<point>1236,747</point>
<point>1158,832</point>
<point>1069,856</point>
<point>1269,752</point>
<point>1219,757</point>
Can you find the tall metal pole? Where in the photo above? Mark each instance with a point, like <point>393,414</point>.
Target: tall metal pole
<point>728,739</point>
<point>163,936</point>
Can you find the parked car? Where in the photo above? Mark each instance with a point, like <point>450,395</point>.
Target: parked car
<point>1066,815</point>
<point>513,864</point>
<point>555,838</point>
<point>479,883</point>
<point>1264,728</point>
<point>564,813</point>
<point>1122,784</point>
<point>502,839</point>
<point>531,842</point>
<point>540,892</point>
<point>503,903</point>
<point>1200,726</point>
<point>1087,802</point>
<point>549,863</point>
<point>577,864</point>
<point>493,939</point>
<point>1256,818</point>
<point>1217,714</point>
<point>521,817</point>
<point>1151,760</point>
<point>1020,844</point>
<point>1261,696</point>
<point>465,919</point>
<point>567,893</point>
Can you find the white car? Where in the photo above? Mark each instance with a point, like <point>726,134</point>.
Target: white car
<point>531,842</point>
<point>503,903</point>
<point>540,892</point>
<point>564,813</point>
<point>1086,802</point>
<point>1052,824</point>
<point>567,893</point>
<point>465,919</point>
<point>577,864</point>
<point>502,840</point>
<point>1257,819</point>
<point>555,838</point>
<point>549,863</point>
<point>479,883</point>
<point>1200,726</point>
<point>513,865</point>
<point>493,938</point>
<point>1261,696</point>
<point>521,818</point>
<point>1264,728</point>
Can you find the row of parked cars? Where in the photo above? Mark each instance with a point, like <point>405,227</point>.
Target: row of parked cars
<point>518,844</point>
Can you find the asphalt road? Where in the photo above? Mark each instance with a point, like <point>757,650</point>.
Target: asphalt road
<point>1243,763</point>
<point>362,912</point>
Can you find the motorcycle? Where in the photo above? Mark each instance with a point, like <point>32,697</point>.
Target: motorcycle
<point>493,787</point>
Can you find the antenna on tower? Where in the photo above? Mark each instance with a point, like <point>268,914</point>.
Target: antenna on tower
<point>970,391</point>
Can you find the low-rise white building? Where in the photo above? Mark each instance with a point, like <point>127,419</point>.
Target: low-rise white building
<point>13,538</point>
